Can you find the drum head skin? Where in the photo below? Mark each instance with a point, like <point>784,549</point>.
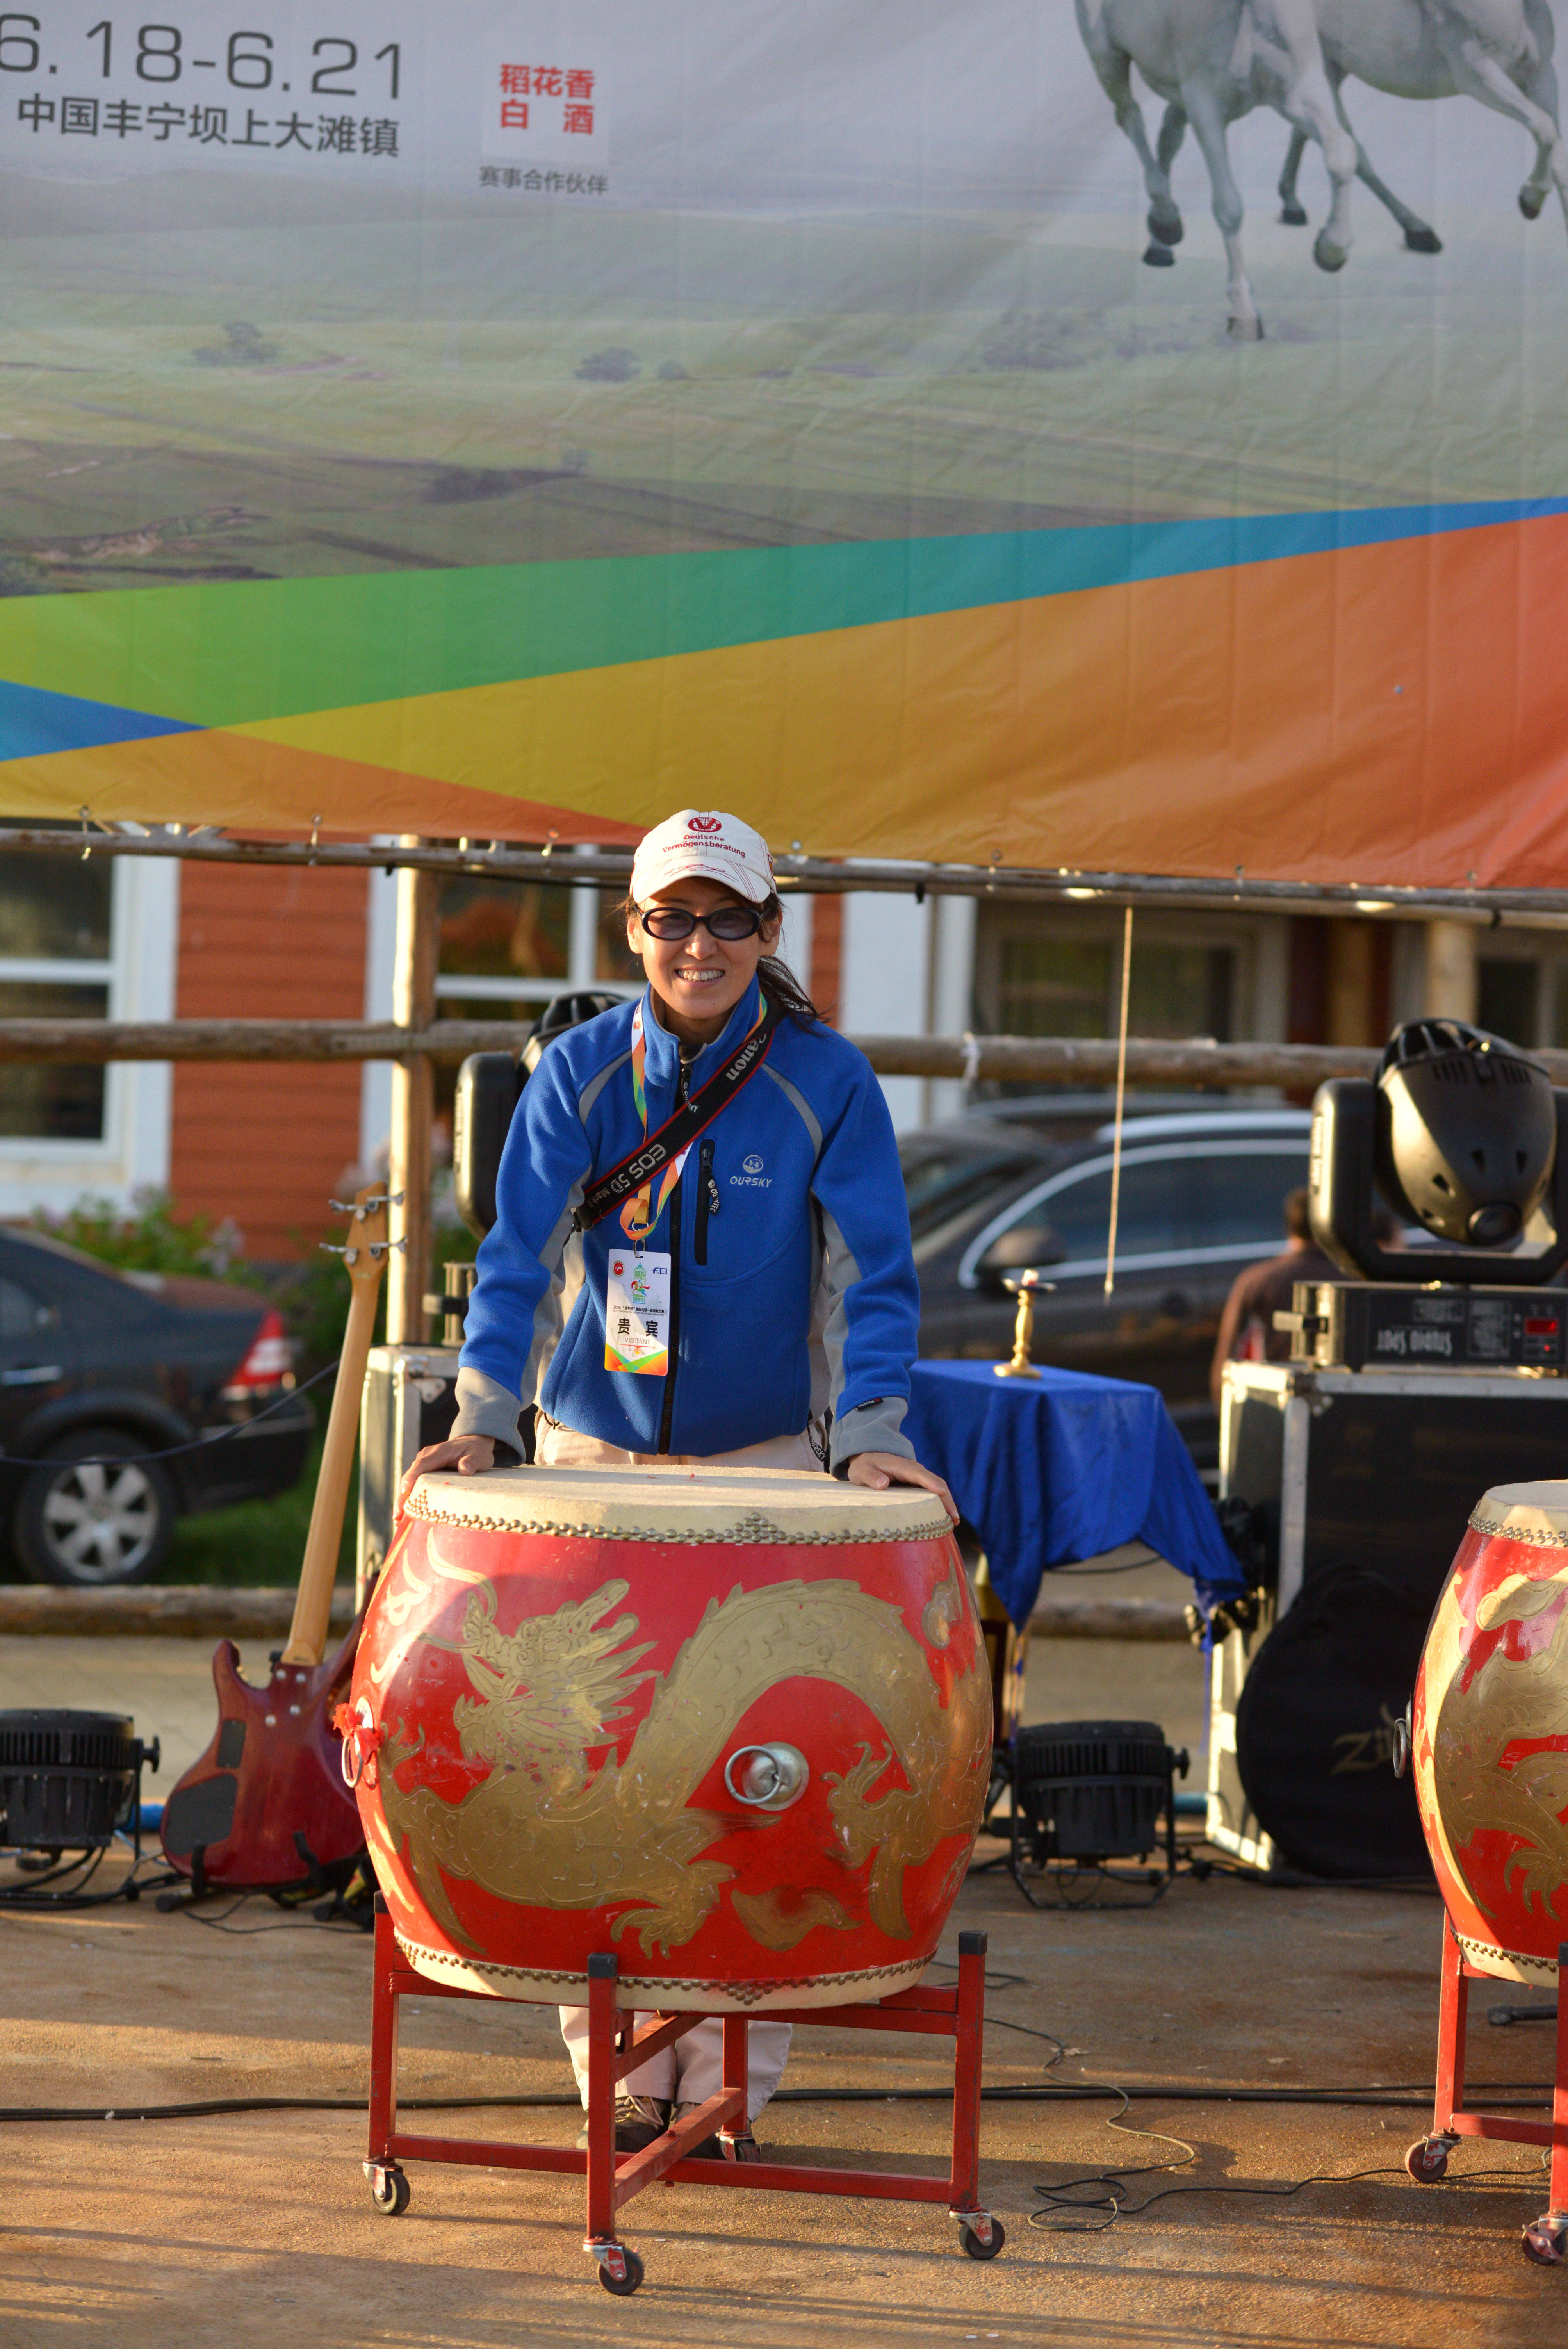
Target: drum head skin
<point>733,1726</point>
<point>1489,1742</point>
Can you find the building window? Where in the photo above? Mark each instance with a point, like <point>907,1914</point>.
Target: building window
<point>1051,985</point>
<point>1508,999</point>
<point>506,946</point>
<point>56,962</point>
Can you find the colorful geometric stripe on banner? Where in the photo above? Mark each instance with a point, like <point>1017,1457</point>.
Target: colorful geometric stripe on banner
<point>1370,696</point>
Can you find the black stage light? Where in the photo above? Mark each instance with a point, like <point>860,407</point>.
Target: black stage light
<point>1086,1792</point>
<point>68,1780</point>
<point>1467,1131</point>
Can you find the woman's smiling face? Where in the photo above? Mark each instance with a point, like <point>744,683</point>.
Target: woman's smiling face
<point>699,980</point>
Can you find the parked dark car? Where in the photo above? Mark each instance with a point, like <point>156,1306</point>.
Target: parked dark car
<point>96,1363</point>
<point>1203,1191</point>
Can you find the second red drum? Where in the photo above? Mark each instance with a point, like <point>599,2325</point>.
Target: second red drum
<point>733,1725</point>
<point>1489,1735</point>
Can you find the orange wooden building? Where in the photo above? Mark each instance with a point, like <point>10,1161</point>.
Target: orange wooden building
<point>268,1145</point>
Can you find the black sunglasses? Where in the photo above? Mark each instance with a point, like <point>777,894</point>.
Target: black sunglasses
<point>731,922</point>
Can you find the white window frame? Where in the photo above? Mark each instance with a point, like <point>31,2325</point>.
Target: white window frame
<point>139,973</point>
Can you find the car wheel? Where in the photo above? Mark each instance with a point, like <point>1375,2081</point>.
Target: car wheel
<point>86,1520</point>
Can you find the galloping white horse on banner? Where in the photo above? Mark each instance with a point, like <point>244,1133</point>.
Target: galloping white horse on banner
<point>1214,60</point>
<point>1497,51</point>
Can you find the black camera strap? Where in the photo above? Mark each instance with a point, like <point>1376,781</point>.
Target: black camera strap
<point>642,1165</point>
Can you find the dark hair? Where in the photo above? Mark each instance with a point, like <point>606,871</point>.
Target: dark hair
<point>777,981</point>
<point>1297,1219</point>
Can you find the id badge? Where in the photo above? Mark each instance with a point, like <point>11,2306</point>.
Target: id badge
<point>637,1312</point>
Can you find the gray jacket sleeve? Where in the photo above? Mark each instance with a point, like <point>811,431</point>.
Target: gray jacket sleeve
<point>873,1427</point>
<point>487,1408</point>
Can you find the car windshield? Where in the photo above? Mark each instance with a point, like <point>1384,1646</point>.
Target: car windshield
<point>942,1178</point>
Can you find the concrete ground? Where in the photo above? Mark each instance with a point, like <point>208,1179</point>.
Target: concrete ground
<point>235,2230</point>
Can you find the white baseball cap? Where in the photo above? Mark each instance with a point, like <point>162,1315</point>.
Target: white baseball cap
<point>706,844</point>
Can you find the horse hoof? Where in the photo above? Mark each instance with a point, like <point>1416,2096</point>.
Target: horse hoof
<point>1424,240</point>
<point>1327,254</point>
<point>1168,229</point>
<point>1293,215</point>
<point>1245,330</point>
<point>1157,258</point>
<point>1530,200</point>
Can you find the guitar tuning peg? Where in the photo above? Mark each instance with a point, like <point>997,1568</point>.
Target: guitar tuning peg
<point>327,1248</point>
<point>341,1206</point>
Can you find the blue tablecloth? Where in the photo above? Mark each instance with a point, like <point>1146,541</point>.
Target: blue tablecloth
<point>1063,1466</point>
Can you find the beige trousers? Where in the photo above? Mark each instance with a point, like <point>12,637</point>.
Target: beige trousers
<point>693,2069</point>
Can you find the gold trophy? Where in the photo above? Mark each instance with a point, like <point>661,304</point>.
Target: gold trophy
<point>1024,1286</point>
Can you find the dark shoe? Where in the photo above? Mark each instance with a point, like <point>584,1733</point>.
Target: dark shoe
<point>638,2121</point>
<point>741,2147</point>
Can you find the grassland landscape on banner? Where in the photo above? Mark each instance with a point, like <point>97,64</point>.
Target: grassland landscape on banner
<point>581,288</point>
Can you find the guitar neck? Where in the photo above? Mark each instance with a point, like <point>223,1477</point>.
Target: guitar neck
<point>312,1604</point>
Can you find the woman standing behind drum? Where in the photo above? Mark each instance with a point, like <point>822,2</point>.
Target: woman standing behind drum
<point>744,1296</point>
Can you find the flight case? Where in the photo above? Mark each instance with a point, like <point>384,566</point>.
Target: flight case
<point>1380,1466</point>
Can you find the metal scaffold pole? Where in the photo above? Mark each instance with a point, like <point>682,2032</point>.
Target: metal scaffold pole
<point>415,953</point>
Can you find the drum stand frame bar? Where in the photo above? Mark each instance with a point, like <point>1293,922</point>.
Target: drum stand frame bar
<point>615,2049</point>
<point>1546,2237</point>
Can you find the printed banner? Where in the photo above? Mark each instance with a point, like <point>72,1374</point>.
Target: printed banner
<point>518,421</point>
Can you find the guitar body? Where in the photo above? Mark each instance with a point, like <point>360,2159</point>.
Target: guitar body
<point>266,1808</point>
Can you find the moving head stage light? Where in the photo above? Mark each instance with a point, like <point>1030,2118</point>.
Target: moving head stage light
<point>1462,1134</point>
<point>1467,1139</point>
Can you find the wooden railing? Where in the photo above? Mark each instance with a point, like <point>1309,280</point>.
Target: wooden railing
<point>1030,1060</point>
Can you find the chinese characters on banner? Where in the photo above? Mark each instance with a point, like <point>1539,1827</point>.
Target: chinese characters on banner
<point>535,182</point>
<point>547,113</point>
<point>208,126</point>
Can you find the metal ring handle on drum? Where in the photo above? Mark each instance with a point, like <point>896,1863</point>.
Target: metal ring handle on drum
<point>778,1776</point>
<point>1399,1743</point>
<point>359,1745</point>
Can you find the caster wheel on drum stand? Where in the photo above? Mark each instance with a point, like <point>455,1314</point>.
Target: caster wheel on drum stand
<point>1545,2240</point>
<point>388,2190</point>
<point>979,2246</point>
<point>620,2271</point>
<point>1427,2159</point>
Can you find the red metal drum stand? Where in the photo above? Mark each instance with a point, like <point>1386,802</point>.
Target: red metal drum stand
<point>613,2050</point>
<point>1546,2237</point>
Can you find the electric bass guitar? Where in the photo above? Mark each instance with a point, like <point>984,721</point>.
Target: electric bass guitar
<point>265,1810</point>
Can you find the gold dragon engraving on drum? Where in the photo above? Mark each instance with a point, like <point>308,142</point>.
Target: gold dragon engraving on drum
<point>546,1828</point>
<point>1509,1701</point>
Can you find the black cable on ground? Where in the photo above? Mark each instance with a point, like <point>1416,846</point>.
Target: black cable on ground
<point>29,1898</point>
<point>1109,2200</point>
<point>1419,2099</point>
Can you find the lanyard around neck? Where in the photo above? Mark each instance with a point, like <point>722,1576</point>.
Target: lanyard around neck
<point>642,1211</point>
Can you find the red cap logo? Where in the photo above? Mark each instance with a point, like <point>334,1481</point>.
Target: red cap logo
<point>704,823</point>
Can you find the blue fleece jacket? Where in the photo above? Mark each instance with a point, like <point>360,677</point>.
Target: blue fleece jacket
<point>799,1292</point>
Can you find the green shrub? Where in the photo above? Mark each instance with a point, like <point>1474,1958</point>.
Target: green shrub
<point>148,1236</point>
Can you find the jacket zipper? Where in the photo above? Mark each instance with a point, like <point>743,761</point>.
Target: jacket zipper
<point>668,1413</point>
<point>706,1200</point>
<point>677,1208</point>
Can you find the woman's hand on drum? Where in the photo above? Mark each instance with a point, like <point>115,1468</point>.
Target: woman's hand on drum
<point>471,1455</point>
<point>881,1469</point>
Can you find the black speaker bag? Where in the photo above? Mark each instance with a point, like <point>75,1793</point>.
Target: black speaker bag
<point>1313,1725</point>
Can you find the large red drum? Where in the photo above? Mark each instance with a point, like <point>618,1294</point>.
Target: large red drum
<point>1489,1733</point>
<point>735,1726</point>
